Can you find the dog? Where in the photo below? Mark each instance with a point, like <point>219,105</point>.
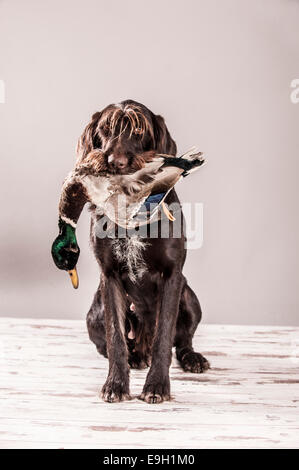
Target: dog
<point>143,305</point>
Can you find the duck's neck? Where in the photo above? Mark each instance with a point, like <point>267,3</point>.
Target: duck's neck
<point>67,231</point>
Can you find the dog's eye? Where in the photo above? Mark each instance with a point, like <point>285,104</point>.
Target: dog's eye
<point>138,131</point>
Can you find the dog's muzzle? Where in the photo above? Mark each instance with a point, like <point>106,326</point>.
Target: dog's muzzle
<point>117,162</point>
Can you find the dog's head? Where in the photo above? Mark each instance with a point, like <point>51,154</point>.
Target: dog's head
<point>123,136</point>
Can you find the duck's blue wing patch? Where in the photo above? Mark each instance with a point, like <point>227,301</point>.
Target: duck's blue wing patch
<point>152,200</point>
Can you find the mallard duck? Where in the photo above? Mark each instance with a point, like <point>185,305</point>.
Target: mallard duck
<point>119,197</point>
<point>147,188</point>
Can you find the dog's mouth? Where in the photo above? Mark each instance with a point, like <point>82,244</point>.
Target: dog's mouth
<point>121,171</point>
<point>133,163</point>
<point>96,162</point>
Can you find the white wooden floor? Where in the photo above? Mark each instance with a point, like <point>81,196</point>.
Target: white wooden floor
<point>51,375</point>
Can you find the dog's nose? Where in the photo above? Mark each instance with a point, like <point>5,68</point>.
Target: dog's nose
<point>117,161</point>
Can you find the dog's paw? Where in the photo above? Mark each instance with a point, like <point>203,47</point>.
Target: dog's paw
<point>156,392</point>
<point>194,362</point>
<point>115,391</point>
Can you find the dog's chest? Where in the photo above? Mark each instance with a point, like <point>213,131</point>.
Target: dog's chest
<point>129,252</point>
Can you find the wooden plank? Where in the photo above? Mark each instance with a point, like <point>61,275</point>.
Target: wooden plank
<point>51,375</point>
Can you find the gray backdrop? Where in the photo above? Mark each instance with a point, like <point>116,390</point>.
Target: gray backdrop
<point>220,74</point>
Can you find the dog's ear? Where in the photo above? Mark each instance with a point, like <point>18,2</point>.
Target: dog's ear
<point>163,141</point>
<point>90,139</point>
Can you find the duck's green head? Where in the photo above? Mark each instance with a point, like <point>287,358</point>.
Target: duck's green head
<point>65,250</point>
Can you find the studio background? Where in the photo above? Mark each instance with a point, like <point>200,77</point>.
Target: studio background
<point>220,74</point>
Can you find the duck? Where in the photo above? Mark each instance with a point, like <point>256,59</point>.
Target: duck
<point>142,192</point>
<point>121,198</point>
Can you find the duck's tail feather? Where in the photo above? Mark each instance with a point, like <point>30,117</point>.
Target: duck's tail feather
<point>192,154</point>
<point>188,162</point>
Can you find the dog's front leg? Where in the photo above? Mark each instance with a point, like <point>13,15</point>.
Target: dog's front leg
<point>157,385</point>
<point>116,387</point>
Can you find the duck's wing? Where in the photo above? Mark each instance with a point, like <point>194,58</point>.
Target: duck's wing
<point>138,182</point>
<point>166,178</point>
<point>175,167</point>
<point>157,176</point>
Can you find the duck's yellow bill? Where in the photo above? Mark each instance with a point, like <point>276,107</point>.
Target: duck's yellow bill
<point>74,277</point>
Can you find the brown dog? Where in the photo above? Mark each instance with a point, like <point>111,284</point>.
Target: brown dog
<point>143,306</point>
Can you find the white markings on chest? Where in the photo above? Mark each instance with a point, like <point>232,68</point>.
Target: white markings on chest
<point>129,251</point>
